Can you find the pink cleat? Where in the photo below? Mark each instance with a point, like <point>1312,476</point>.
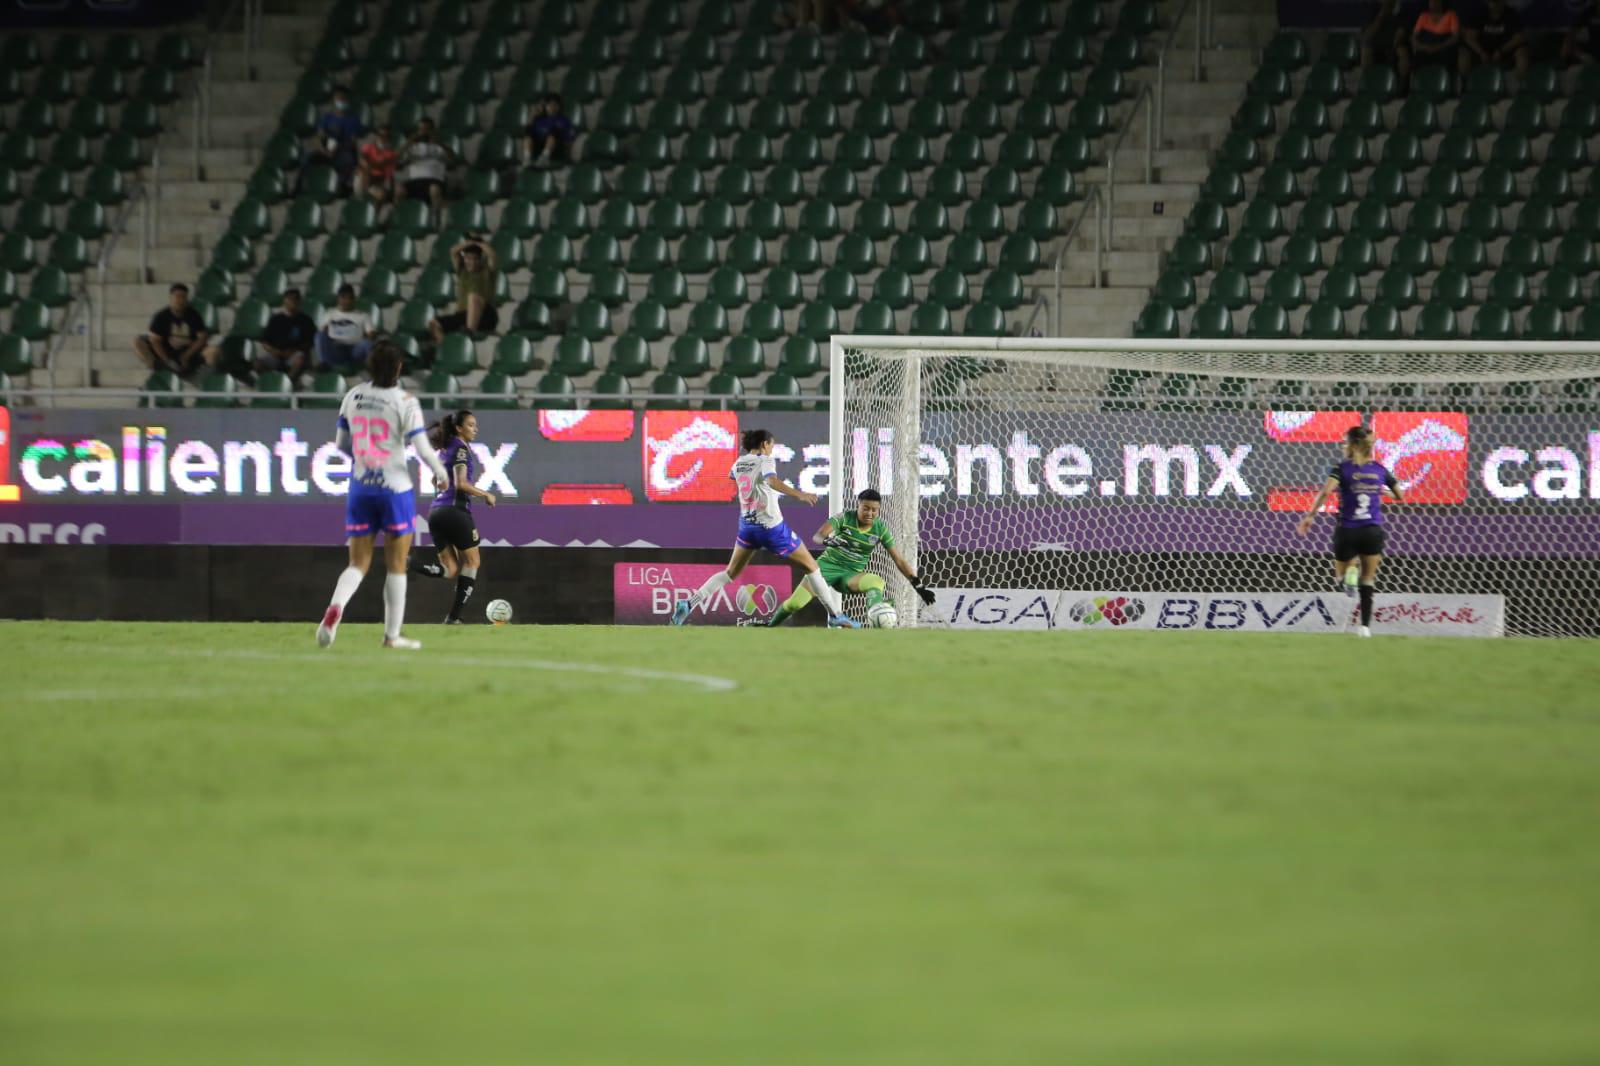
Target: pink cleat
<point>329,627</point>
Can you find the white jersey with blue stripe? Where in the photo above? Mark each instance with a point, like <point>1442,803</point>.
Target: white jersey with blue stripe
<point>380,423</point>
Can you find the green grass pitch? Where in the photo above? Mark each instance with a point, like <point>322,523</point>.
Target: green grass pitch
<point>579,846</point>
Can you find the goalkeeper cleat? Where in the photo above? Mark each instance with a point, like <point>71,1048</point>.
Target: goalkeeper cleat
<point>1363,631</point>
<point>842,621</point>
<point>680,612</point>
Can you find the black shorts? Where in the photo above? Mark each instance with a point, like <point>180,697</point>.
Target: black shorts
<point>1351,541</point>
<point>452,527</point>
<point>422,188</point>
<point>488,321</point>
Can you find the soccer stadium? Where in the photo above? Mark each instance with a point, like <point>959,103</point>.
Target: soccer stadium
<point>799,531</point>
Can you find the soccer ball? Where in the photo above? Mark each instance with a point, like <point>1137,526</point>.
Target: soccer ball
<point>882,616</point>
<point>498,612</point>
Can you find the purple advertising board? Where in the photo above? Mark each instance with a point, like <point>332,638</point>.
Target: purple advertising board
<point>1225,481</point>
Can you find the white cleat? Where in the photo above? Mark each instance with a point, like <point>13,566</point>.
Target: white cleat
<point>1363,631</point>
<point>329,627</point>
<point>404,643</point>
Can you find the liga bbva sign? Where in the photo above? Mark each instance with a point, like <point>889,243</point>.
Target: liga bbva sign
<point>1405,614</point>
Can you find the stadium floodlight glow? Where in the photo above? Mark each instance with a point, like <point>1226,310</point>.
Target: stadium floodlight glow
<point>1139,466</point>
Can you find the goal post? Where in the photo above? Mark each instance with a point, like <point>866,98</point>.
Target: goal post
<point>1068,483</point>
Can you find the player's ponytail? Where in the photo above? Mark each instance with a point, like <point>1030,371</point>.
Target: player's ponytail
<point>1358,442</point>
<point>384,364</point>
<point>447,428</point>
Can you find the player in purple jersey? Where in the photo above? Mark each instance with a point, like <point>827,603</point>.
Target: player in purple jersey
<point>450,523</point>
<point>1361,481</point>
<point>761,525</point>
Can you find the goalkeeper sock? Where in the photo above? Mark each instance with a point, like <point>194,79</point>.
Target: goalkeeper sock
<point>464,586</point>
<point>872,585</point>
<point>819,587</point>
<point>713,585</point>
<point>427,569</point>
<point>1366,605</point>
<point>789,607</point>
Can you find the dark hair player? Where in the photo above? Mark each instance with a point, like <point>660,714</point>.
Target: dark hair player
<point>450,524</point>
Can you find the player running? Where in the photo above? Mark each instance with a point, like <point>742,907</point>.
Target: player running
<point>376,421</point>
<point>850,537</point>
<point>761,525</point>
<point>1360,480</point>
<point>450,523</point>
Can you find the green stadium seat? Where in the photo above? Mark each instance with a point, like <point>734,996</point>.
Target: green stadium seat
<point>1412,254</point>
<point>1575,252</point>
<point>1267,321</point>
<point>1508,287</point>
<point>1230,288</point>
<point>1452,288</point>
<point>1156,319</point>
<point>1341,287</point>
<point>1372,220</point>
<point>1545,322</point>
<point>1562,289</point>
<point>1380,321</point>
<point>1319,219</point>
<point>1467,254</point>
<point>1247,254</point>
<point>1493,322</point>
<point>630,357</point>
<point>1286,288</point>
<point>708,320</point>
<point>1211,321</point>
<point>1437,322</point>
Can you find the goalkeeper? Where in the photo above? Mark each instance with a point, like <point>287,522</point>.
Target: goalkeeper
<point>850,538</point>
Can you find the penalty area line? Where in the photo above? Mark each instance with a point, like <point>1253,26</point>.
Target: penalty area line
<point>709,682</point>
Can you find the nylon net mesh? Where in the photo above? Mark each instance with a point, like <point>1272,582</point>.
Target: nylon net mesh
<point>1168,469</point>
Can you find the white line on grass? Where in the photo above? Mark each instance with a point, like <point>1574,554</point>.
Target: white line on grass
<point>709,682</point>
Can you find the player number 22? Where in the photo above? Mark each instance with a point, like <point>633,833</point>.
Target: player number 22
<point>370,436</point>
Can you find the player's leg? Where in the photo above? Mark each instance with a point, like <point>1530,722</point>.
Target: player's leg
<point>360,547</point>
<point>396,549</point>
<point>801,555</point>
<point>742,554</point>
<point>869,583</point>
<point>1345,567</point>
<point>464,584</point>
<point>437,531</point>
<point>1369,577</point>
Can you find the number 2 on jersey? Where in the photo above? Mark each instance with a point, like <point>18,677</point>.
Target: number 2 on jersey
<point>369,437</point>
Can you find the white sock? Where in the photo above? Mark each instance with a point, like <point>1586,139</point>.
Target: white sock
<point>714,584</point>
<point>394,605</point>
<point>469,571</point>
<point>819,588</point>
<point>346,587</point>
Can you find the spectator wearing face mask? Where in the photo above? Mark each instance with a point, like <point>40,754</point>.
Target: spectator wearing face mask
<point>334,141</point>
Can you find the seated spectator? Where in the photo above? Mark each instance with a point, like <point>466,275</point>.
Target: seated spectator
<point>375,171</point>
<point>550,129</point>
<point>334,141</point>
<point>1496,37</point>
<point>874,16</point>
<point>345,335</point>
<point>1581,43</point>
<point>286,342</point>
<point>176,339</point>
<point>1436,38</point>
<point>475,282</point>
<point>1386,38</point>
<point>424,162</point>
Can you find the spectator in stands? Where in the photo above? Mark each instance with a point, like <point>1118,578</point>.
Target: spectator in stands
<point>286,342</point>
<point>375,173</point>
<point>176,339</point>
<point>334,141</point>
<point>1496,37</point>
<point>799,13</point>
<point>550,129</point>
<point>345,335</point>
<point>476,265</point>
<point>1386,39</point>
<point>1582,40</point>
<point>1436,38</point>
<point>874,16</point>
<point>424,162</point>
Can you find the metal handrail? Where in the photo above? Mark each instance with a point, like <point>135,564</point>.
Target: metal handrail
<point>250,32</point>
<point>584,397</point>
<point>1203,15</point>
<point>1096,200</point>
<point>1145,99</point>
<point>149,221</point>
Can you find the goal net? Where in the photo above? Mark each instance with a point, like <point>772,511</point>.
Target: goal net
<point>1041,483</point>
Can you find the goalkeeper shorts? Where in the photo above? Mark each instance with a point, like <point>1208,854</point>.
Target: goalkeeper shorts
<point>838,578</point>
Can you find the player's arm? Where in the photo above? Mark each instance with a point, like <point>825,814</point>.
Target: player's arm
<point>341,432</point>
<point>1328,489</point>
<point>823,534</point>
<point>783,488</point>
<point>910,574</point>
<point>464,484</point>
<point>1392,487</point>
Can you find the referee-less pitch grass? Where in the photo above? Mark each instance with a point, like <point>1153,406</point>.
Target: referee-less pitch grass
<point>220,846</point>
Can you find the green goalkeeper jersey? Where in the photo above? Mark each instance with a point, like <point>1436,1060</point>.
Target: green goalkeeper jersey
<point>853,556</point>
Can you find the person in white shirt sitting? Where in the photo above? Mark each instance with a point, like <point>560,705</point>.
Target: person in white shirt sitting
<point>344,335</point>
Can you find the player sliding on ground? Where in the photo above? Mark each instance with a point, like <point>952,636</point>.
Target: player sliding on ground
<point>761,525</point>
<point>850,537</point>
<point>1360,480</point>
<point>376,421</point>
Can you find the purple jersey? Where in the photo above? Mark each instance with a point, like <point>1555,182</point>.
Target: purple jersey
<point>1361,488</point>
<point>457,455</point>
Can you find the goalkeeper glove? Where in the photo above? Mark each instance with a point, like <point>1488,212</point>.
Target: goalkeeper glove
<point>838,540</point>
<point>921,590</point>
